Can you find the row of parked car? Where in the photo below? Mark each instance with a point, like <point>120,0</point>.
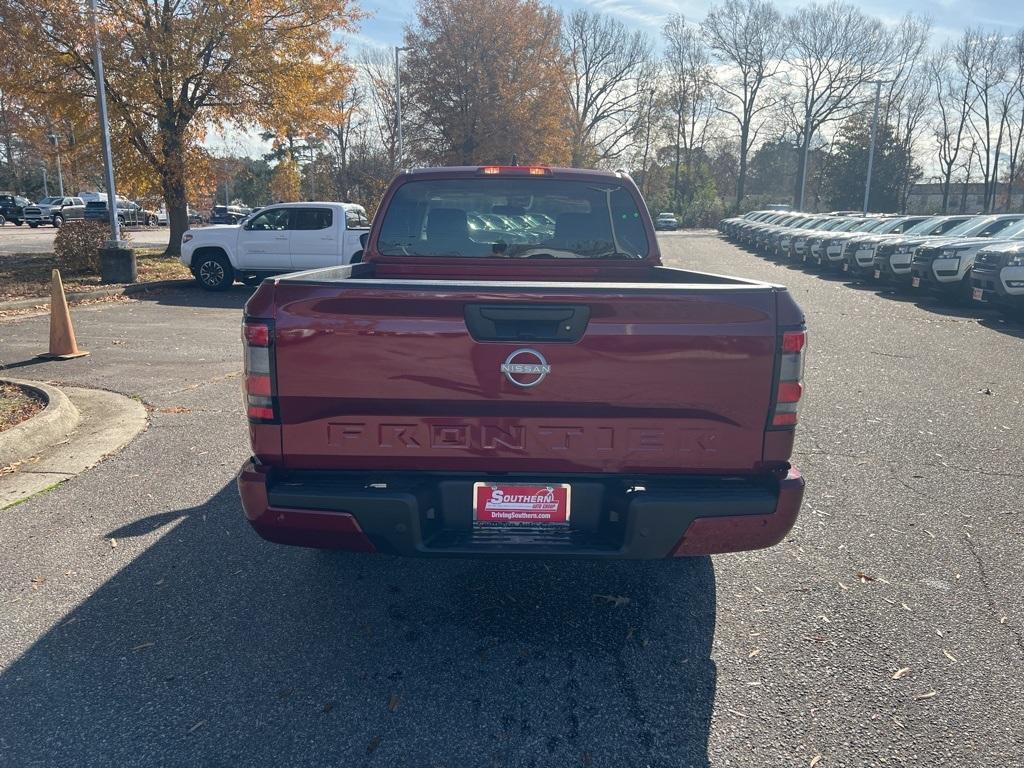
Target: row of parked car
<point>963,258</point>
<point>54,210</point>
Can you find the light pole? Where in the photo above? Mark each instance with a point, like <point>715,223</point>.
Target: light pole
<point>108,159</point>
<point>117,259</point>
<point>399,153</point>
<point>46,186</point>
<point>803,171</point>
<point>871,145</point>
<point>55,140</point>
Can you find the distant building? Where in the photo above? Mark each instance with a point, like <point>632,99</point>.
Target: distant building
<point>927,198</point>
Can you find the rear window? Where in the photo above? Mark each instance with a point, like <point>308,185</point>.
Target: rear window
<point>513,218</point>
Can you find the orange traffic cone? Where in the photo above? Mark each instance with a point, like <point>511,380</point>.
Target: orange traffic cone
<point>62,335</point>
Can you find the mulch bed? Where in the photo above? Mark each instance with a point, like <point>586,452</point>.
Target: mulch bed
<point>16,405</point>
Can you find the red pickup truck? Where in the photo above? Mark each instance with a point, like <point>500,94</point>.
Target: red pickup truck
<point>510,371</point>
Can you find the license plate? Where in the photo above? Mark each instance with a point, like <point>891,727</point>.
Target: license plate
<point>916,282</point>
<point>978,294</point>
<point>846,266</point>
<point>511,504</point>
<point>878,273</point>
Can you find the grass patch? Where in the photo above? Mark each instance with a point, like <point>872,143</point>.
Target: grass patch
<point>17,405</point>
<point>27,275</point>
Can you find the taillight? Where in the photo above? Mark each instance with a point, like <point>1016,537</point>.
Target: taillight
<point>791,371</point>
<point>260,386</point>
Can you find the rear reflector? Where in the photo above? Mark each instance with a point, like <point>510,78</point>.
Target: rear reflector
<point>789,391</point>
<point>258,385</point>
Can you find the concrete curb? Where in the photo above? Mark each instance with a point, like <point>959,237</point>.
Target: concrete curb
<point>47,428</point>
<point>109,422</point>
<point>100,293</point>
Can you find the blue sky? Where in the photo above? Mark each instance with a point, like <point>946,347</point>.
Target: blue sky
<point>949,17</point>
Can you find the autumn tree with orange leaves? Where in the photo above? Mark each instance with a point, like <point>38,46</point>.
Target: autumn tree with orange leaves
<point>174,69</point>
<point>486,81</point>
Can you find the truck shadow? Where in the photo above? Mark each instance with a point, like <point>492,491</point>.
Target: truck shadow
<point>213,647</point>
<point>194,296</point>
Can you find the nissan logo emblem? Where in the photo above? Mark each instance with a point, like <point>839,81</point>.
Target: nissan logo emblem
<point>525,367</point>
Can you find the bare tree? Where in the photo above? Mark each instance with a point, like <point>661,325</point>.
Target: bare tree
<point>951,94</point>
<point>690,95</point>
<point>376,68</point>
<point>1015,115</point>
<point>983,57</point>
<point>748,40</point>
<point>610,69</point>
<point>835,49</point>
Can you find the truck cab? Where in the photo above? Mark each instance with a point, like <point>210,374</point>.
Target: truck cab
<point>277,239</point>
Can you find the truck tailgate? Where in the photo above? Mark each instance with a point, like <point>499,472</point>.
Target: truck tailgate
<point>643,379</point>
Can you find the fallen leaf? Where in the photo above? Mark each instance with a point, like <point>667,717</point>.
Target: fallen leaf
<point>815,760</point>
<point>864,578</point>
<point>901,672</point>
<point>113,543</point>
<point>948,655</point>
<point>616,601</point>
<point>923,696</point>
<point>906,607</point>
<point>328,706</point>
<point>754,653</point>
<point>586,759</point>
<point>629,633</point>
<point>939,632</point>
<point>374,743</point>
<point>1002,620</point>
<point>843,585</point>
<point>138,648</point>
<point>38,581</point>
<point>174,409</point>
<point>393,702</point>
<point>197,726</point>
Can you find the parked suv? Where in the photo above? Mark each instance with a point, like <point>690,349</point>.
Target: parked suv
<point>893,257</point>
<point>12,208</point>
<point>998,277</point>
<point>54,211</point>
<point>945,267</point>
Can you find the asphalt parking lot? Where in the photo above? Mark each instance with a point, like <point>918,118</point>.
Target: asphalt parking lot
<point>24,239</point>
<point>144,623</point>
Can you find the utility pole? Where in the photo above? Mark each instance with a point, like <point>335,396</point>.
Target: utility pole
<point>399,153</point>
<point>46,186</point>
<point>55,140</point>
<point>117,259</point>
<point>871,146</point>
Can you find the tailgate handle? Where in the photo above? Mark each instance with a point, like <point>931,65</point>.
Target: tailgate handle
<point>529,322</point>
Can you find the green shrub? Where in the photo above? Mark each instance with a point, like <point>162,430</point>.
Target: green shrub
<point>77,246</point>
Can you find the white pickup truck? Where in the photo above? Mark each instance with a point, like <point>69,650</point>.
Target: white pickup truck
<point>287,237</point>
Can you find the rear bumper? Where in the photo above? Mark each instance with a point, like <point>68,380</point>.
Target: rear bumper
<point>429,515</point>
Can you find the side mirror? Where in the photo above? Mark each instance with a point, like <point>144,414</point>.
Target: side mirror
<point>364,238</point>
